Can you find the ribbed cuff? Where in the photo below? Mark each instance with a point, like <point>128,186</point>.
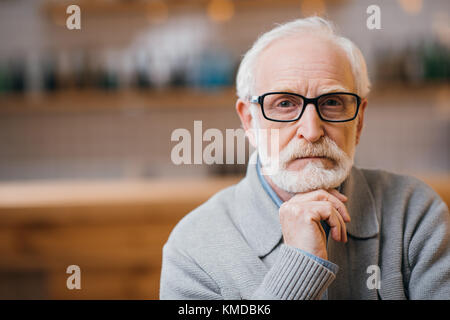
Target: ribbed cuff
<point>330,265</point>
<point>295,276</point>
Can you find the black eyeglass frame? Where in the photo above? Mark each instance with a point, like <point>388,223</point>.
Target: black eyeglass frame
<point>306,102</point>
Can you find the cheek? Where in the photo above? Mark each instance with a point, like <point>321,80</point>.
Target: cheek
<point>344,135</point>
<point>278,135</point>
<point>275,136</point>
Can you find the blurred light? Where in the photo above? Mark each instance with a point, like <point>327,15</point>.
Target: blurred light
<point>411,7</point>
<point>312,7</point>
<point>220,10</point>
<point>157,11</point>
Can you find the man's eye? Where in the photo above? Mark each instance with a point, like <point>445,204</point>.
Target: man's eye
<point>285,104</point>
<point>332,102</point>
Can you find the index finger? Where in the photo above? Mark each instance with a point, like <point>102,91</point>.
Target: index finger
<point>327,195</point>
<point>339,195</point>
<point>341,208</point>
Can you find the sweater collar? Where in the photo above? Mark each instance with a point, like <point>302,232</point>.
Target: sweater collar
<point>257,214</point>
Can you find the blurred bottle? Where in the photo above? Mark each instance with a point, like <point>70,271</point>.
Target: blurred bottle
<point>17,75</point>
<point>33,72</point>
<point>4,78</point>
<point>109,78</point>
<point>436,60</point>
<point>413,69</point>
<point>212,69</point>
<point>64,72</point>
<point>142,73</point>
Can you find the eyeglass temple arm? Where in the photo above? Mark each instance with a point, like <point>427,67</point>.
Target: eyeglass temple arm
<point>254,99</point>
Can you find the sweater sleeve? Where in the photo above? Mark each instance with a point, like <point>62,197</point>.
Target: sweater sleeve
<point>429,252</point>
<point>294,276</point>
<point>328,264</point>
<point>183,279</point>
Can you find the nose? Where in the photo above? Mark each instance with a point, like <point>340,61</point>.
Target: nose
<point>310,126</point>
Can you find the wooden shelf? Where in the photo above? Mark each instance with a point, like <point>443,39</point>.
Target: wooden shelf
<point>183,98</point>
<point>95,99</point>
<point>79,193</point>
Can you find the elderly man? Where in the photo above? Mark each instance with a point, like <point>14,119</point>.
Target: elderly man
<point>315,227</point>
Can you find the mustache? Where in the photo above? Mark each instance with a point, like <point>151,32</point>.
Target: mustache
<point>325,147</point>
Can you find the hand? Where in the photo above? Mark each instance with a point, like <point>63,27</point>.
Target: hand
<point>300,219</point>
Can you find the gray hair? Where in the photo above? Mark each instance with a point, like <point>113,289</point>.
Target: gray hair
<point>245,80</point>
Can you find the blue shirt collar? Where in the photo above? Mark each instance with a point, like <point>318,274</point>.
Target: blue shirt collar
<point>275,198</point>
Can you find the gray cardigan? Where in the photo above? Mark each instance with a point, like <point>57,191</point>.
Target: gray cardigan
<point>231,247</point>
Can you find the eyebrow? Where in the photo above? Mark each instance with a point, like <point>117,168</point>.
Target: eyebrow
<point>322,90</point>
<point>331,89</point>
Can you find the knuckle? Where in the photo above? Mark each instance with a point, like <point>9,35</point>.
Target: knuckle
<point>329,206</point>
<point>309,216</point>
<point>288,211</point>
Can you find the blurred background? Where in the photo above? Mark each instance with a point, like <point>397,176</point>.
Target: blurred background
<point>86,118</point>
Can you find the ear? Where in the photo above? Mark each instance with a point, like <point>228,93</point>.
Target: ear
<point>360,119</point>
<point>243,110</point>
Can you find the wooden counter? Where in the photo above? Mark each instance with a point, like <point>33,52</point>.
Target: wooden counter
<point>114,231</point>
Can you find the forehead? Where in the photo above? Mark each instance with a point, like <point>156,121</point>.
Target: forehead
<point>303,64</point>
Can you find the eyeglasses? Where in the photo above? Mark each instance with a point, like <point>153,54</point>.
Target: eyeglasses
<point>289,107</point>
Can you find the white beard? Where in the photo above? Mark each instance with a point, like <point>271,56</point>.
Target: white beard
<point>314,175</point>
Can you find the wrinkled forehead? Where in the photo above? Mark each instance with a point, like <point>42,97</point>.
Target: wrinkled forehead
<point>303,62</point>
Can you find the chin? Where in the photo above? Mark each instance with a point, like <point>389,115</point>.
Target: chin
<point>311,177</point>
